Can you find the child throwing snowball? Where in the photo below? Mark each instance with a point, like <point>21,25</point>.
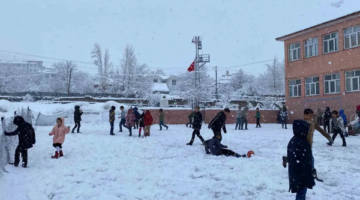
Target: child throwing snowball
<point>59,131</point>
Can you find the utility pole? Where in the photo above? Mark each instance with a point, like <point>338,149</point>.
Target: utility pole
<point>199,61</point>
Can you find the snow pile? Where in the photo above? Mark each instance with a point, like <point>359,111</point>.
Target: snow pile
<point>99,166</point>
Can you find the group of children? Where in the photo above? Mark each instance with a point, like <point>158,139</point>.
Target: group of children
<point>134,120</point>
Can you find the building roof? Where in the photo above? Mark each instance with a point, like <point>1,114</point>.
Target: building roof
<point>160,87</point>
<point>320,26</point>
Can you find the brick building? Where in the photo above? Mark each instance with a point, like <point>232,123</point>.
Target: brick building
<point>322,66</point>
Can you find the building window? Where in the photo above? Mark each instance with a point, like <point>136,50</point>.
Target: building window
<point>294,51</point>
<point>164,81</point>
<point>311,47</point>
<point>352,37</point>
<point>155,80</point>
<point>312,86</point>
<point>352,81</point>
<point>331,42</point>
<point>173,82</point>
<point>295,88</point>
<point>332,83</point>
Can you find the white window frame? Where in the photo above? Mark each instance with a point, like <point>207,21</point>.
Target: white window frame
<point>349,33</point>
<point>295,85</point>
<point>333,37</point>
<point>350,77</point>
<point>315,84</point>
<point>334,79</point>
<point>311,47</point>
<point>293,48</point>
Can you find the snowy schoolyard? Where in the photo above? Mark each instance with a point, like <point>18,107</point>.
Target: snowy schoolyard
<point>99,166</point>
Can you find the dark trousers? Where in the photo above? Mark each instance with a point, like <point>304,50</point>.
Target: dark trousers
<point>197,133</point>
<point>227,152</point>
<point>77,125</point>
<point>24,156</point>
<point>111,127</point>
<point>327,125</point>
<point>57,145</point>
<point>217,132</point>
<point>136,124</point>
<point>301,194</point>
<point>336,132</point>
<point>161,124</point>
<point>319,121</point>
<point>258,122</point>
<point>238,123</point>
<point>243,121</point>
<point>121,124</point>
<point>284,122</point>
<point>130,130</point>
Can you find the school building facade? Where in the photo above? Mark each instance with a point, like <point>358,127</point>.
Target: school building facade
<point>322,66</point>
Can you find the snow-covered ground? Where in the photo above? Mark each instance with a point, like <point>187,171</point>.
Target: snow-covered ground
<point>99,166</point>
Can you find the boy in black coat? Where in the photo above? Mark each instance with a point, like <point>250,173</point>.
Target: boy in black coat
<point>26,134</point>
<point>77,119</point>
<point>299,156</point>
<point>197,121</point>
<point>218,122</point>
<point>214,147</point>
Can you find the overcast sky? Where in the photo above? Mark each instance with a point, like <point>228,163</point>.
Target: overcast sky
<point>235,32</point>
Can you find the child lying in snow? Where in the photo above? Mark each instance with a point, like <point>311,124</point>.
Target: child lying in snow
<point>59,132</point>
<point>214,147</point>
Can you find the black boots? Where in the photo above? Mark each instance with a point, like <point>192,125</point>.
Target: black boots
<point>284,158</point>
<point>190,143</point>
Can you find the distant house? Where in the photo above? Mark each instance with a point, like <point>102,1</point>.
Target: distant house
<point>30,67</point>
<point>160,82</point>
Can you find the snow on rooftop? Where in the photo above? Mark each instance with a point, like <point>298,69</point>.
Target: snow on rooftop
<point>160,87</point>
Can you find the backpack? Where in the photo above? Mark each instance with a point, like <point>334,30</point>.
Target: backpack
<point>31,134</point>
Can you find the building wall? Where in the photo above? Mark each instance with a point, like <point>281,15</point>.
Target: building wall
<point>323,64</point>
<point>181,116</point>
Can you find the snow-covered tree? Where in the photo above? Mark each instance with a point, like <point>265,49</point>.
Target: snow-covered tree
<point>102,61</point>
<point>133,75</point>
<point>273,80</point>
<point>65,74</point>
<point>204,90</point>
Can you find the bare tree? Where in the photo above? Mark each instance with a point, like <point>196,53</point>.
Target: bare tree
<point>65,72</point>
<point>273,80</point>
<point>104,65</point>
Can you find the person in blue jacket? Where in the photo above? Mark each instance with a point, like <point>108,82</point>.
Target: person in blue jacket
<point>343,116</point>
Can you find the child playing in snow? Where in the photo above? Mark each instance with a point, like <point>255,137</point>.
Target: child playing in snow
<point>59,131</point>
<point>141,122</point>
<point>214,147</point>
<point>112,119</point>
<point>343,116</point>
<point>308,116</point>
<point>337,126</point>
<point>130,120</point>
<point>257,116</point>
<point>299,157</point>
<point>162,119</point>
<point>148,120</point>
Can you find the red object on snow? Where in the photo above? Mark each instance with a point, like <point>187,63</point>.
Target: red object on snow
<point>249,153</point>
<point>192,67</point>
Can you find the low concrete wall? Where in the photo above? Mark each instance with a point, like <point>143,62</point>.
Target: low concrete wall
<point>181,116</point>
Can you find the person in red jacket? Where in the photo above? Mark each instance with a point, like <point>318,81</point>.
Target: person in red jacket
<point>148,120</point>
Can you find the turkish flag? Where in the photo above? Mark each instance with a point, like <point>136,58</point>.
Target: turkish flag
<point>192,67</point>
